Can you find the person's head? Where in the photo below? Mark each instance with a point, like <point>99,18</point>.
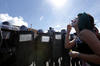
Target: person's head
<point>5,23</point>
<point>40,31</point>
<point>23,28</point>
<point>63,31</point>
<point>50,28</point>
<point>84,21</point>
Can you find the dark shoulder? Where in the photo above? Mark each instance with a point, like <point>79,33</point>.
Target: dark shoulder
<point>86,33</point>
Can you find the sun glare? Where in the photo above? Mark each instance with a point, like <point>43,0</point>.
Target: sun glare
<point>58,3</point>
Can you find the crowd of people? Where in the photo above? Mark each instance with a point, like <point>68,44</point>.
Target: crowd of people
<point>83,47</point>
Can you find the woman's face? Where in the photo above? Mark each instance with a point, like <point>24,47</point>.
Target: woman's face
<point>74,22</point>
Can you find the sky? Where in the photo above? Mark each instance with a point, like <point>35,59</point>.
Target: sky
<point>42,14</point>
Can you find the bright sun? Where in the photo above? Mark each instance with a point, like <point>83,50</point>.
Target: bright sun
<point>58,3</point>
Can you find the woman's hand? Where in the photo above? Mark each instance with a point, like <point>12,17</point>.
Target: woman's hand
<point>69,27</point>
<point>70,45</point>
<point>74,54</point>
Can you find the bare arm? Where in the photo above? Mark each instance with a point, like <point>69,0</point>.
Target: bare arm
<point>91,58</point>
<point>91,39</point>
<point>86,57</point>
<point>68,43</point>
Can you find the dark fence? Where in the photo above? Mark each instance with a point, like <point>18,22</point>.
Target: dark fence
<point>56,49</point>
<point>20,48</point>
<point>7,47</point>
<point>17,48</point>
<point>25,52</point>
<point>44,49</point>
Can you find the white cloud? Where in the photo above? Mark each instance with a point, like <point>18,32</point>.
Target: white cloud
<point>58,26</point>
<point>18,21</point>
<point>45,31</point>
<point>97,22</point>
<point>41,18</point>
<point>73,31</point>
<point>57,30</point>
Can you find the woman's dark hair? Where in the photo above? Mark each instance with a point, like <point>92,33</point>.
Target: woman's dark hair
<point>86,21</point>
